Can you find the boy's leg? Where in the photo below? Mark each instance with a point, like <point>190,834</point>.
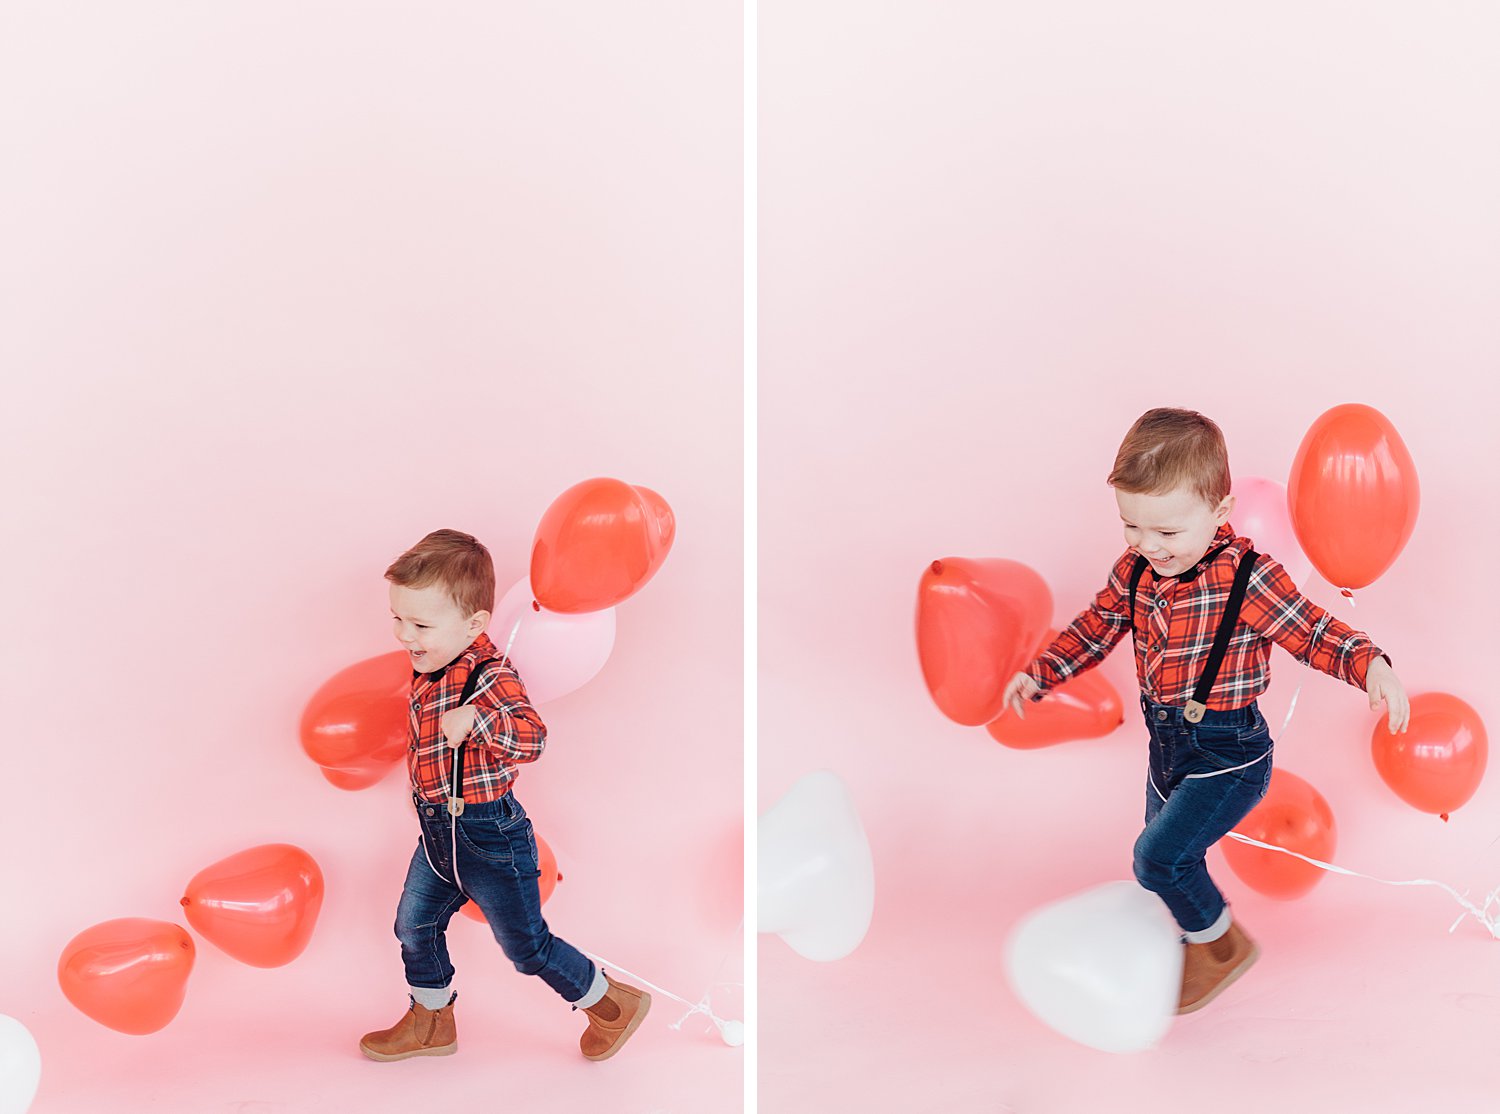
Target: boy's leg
<point>428,902</point>
<point>1171,852</point>
<point>1170,860</point>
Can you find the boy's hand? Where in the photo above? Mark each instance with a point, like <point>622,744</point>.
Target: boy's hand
<point>1381,684</point>
<point>1021,689</point>
<point>456,724</point>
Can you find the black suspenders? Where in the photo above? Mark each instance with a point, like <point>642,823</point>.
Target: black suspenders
<point>1193,713</point>
<point>456,785</point>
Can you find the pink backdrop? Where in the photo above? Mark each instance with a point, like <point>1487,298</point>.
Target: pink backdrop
<point>285,287</point>
<point>992,236</point>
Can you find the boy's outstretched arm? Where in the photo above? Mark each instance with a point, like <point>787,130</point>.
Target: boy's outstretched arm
<point>1274,608</point>
<point>1083,644</point>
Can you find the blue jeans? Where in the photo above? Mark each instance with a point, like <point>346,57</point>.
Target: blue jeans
<point>497,866</point>
<point>1203,778</point>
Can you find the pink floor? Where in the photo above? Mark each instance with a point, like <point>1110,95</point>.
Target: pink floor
<point>1361,1000</point>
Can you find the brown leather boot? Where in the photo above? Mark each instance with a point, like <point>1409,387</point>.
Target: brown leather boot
<point>612,1019</point>
<point>1208,968</point>
<point>422,1032</point>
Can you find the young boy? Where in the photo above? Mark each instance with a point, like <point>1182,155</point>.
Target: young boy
<point>1203,609</point>
<point>475,844</point>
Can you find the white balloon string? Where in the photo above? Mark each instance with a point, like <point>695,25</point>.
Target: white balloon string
<point>1488,915</point>
<point>701,1006</point>
<point>1290,708</point>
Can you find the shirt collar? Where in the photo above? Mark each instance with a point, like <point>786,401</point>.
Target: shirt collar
<point>480,647</point>
<point>1224,539</point>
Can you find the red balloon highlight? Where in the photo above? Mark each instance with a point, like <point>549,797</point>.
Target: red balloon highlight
<point>260,905</point>
<point>355,726</point>
<point>1438,762</point>
<point>978,620</point>
<point>598,544</point>
<point>128,974</point>
<point>1295,816</point>
<point>1353,495</point>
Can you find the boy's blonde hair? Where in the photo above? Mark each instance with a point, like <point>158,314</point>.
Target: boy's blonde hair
<point>1167,449</point>
<point>453,559</point>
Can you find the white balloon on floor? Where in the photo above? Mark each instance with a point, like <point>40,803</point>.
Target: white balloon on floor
<point>1103,967</point>
<point>554,653</point>
<point>20,1066</point>
<point>817,878</point>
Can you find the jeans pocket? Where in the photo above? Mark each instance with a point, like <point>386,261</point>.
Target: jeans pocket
<point>1226,748</point>
<point>488,839</point>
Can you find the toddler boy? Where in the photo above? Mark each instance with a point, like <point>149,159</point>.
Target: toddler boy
<point>476,843</point>
<point>1202,608</point>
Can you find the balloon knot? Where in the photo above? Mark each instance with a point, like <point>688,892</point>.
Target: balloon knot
<point>1444,815</point>
<point>535,606</point>
<point>1348,595</point>
<point>937,568</point>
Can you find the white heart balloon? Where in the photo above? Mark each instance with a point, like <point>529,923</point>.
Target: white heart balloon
<point>20,1066</point>
<point>817,878</point>
<point>1103,967</point>
<point>554,653</point>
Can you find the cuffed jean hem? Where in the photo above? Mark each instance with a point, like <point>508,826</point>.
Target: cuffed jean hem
<point>595,992</point>
<point>1212,932</point>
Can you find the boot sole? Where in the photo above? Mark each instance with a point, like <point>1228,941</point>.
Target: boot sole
<point>635,1023</point>
<point>386,1057</point>
<point>1224,985</point>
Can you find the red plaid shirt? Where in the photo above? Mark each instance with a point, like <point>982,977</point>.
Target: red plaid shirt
<point>506,731</point>
<point>1177,617</point>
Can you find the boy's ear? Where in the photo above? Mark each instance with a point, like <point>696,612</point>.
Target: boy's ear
<point>1222,514</point>
<point>478,621</point>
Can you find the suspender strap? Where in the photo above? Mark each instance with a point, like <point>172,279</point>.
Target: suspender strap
<point>1135,580</point>
<point>456,785</point>
<point>1198,704</point>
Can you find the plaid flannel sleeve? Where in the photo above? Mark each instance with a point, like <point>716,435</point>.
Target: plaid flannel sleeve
<point>504,720</point>
<point>1274,608</point>
<point>1090,637</point>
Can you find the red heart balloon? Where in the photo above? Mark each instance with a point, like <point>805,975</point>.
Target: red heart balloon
<point>978,619</point>
<point>597,544</point>
<point>259,905</point>
<point>1438,763</point>
<point>129,974</point>
<point>1085,706</point>
<point>355,726</point>
<point>1293,815</point>
<point>546,862</point>
<point>1353,495</point>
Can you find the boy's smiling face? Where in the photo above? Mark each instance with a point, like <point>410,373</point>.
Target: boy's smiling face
<point>1174,530</point>
<point>430,626</point>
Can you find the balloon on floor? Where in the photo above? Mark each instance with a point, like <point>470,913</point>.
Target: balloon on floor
<point>20,1066</point>
<point>817,877</point>
<point>129,974</point>
<point>259,905</point>
<point>1103,967</point>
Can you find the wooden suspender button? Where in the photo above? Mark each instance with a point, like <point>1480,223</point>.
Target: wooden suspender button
<point>1193,713</point>
<point>455,806</point>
